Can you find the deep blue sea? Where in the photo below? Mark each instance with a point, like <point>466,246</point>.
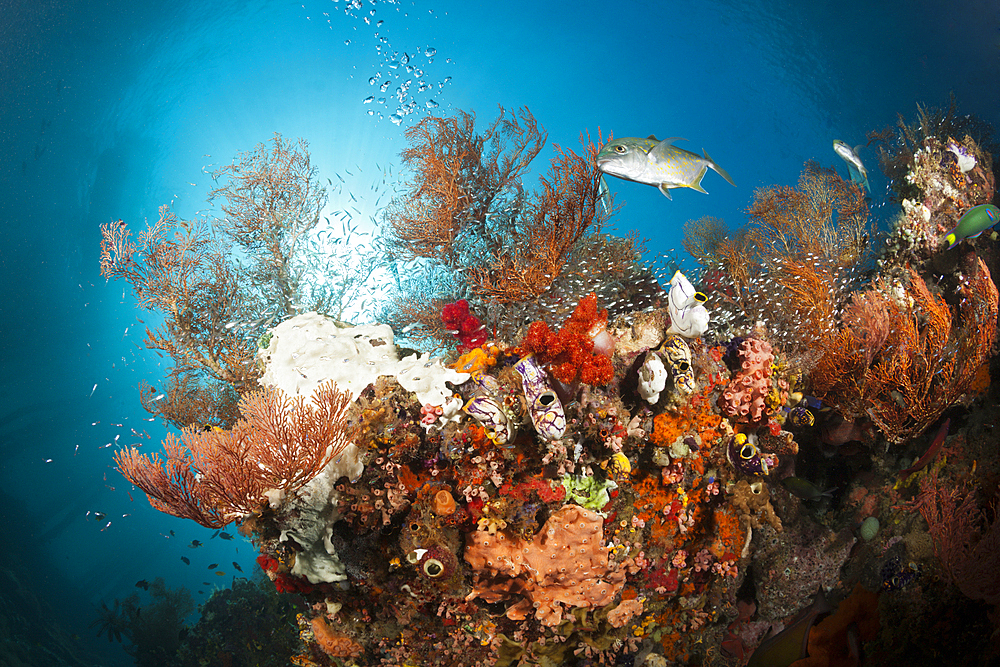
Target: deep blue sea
<point>110,109</point>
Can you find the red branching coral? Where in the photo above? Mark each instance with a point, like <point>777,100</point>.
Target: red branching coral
<point>545,490</point>
<point>570,351</point>
<point>966,541</point>
<point>465,326</point>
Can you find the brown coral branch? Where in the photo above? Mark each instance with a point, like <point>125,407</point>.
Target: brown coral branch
<point>216,476</point>
<point>901,360</point>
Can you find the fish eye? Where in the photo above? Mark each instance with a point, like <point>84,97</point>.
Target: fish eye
<point>620,149</point>
<point>433,568</point>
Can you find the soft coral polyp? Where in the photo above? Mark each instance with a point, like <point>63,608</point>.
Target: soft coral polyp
<point>570,351</point>
<point>465,326</point>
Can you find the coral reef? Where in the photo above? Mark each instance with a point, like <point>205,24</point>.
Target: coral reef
<point>597,474</point>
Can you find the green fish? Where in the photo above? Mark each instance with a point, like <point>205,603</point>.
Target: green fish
<point>975,221</point>
<point>656,162</point>
<point>804,489</point>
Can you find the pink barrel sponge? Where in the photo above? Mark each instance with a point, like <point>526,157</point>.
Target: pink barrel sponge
<point>745,397</point>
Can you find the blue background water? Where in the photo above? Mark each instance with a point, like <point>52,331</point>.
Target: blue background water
<point>110,109</point>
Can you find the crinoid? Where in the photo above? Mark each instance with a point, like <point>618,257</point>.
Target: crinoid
<point>114,622</point>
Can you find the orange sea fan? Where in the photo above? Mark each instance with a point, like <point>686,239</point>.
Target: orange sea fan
<point>214,477</point>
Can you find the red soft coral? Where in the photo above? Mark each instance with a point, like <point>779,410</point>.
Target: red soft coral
<point>570,351</point>
<point>466,327</point>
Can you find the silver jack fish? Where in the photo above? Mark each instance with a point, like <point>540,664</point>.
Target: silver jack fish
<point>656,162</point>
<point>859,174</point>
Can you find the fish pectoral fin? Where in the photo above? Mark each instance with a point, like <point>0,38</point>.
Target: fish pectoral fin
<point>665,189</point>
<point>696,183</point>
<point>719,170</point>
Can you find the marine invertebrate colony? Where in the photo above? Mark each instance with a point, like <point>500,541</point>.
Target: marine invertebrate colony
<point>591,483</point>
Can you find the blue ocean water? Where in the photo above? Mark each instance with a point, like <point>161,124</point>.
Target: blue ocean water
<point>110,109</point>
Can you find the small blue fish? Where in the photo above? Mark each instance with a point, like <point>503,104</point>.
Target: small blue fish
<point>186,560</point>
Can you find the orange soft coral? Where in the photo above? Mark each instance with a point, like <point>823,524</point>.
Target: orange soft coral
<point>570,351</point>
<point>729,535</point>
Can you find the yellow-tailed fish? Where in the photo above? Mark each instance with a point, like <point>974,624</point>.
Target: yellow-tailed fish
<point>975,221</point>
<point>656,162</point>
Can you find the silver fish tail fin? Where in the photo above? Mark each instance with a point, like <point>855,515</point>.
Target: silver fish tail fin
<point>719,170</point>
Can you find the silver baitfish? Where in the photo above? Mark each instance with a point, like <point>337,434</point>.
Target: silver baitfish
<point>546,409</point>
<point>745,457</point>
<point>677,355</point>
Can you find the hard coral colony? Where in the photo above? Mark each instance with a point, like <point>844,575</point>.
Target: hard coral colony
<point>579,492</point>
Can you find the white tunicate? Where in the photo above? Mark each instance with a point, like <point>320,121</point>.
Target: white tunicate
<point>385,86</point>
<point>430,51</point>
<point>369,99</point>
<point>431,104</point>
<point>372,81</point>
<point>347,42</point>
